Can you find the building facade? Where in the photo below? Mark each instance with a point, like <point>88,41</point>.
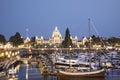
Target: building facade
<point>55,39</point>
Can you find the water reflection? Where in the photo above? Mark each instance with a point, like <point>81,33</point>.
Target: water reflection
<point>34,74</point>
<point>80,78</point>
<point>113,75</point>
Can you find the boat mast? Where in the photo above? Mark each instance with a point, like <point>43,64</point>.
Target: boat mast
<point>89,47</point>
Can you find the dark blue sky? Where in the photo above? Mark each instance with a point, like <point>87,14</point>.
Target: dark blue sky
<point>41,17</point>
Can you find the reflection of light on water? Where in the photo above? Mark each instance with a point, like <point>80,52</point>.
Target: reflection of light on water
<point>17,68</point>
<point>34,74</point>
<point>80,78</point>
<point>114,73</point>
<point>27,72</point>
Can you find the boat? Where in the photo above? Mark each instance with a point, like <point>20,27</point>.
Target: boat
<point>66,62</point>
<point>12,74</point>
<point>80,68</point>
<point>83,71</point>
<point>98,73</point>
<point>12,71</point>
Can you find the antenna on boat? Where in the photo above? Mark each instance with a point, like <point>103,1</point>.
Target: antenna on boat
<point>89,27</point>
<point>89,43</point>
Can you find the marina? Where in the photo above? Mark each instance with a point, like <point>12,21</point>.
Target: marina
<point>59,40</point>
<point>42,66</point>
<point>61,63</point>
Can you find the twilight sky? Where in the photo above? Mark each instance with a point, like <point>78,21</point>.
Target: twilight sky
<point>41,17</point>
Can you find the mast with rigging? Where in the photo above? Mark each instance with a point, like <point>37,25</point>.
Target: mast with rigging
<point>89,46</point>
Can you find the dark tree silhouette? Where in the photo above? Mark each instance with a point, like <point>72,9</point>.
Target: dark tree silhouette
<point>16,39</point>
<point>114,40</point>
<point>32,41</point>
<point>2,39</point>
<point>67,42</point>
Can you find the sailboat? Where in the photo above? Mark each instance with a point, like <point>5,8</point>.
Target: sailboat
<point>84,70</point>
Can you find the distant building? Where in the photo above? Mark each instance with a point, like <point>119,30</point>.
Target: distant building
<point>55,39</point>
<point>8,45</point>
<point>1,46</point>
<point>84,40</point>
<point>27,40</point>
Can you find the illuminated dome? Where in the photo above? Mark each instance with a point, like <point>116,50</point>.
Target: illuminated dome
<point>56,36</point>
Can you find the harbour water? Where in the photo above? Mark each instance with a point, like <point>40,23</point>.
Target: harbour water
<point>31,68</point>
<point>34,74</point>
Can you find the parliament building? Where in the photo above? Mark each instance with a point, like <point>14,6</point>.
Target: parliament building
<point>56,39</point>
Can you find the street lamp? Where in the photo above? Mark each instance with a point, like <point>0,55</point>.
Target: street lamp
<point>2,54</point>
<point>6,53</point>
<point>12,54</point>
<point>8,56</point>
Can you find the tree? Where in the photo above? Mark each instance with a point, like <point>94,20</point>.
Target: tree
<point>33,41</point>
<point>2,39</point>
<point>67,42</point>
<point>16,39</point>
<point>114,40</point>
<point>96,40</point>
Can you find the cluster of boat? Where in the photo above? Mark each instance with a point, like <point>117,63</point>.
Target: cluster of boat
<point>85,64</point>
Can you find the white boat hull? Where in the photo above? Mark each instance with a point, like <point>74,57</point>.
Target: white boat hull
<point>92,73</point>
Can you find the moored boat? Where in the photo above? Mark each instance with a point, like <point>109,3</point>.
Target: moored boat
<point>98,73</point>
<point>84,71</point>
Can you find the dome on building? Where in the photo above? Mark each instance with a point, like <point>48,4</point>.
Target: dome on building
<point>56,33</point>
<point>55,39</point>
<point>56,36</point>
